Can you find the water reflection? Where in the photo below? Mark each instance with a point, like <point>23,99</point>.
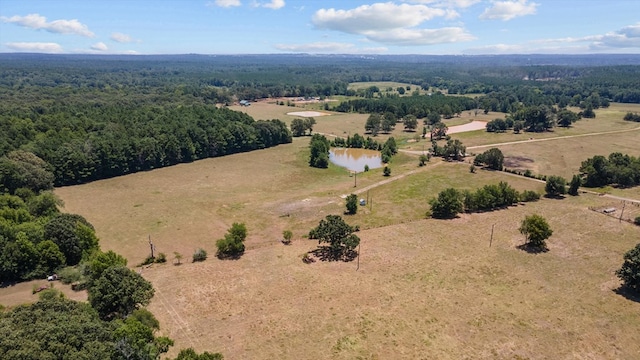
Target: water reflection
<point>355,159</point>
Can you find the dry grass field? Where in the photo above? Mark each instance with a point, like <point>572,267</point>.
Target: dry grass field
<point>425,289</point>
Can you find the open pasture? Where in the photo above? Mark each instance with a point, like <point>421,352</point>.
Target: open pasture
<point>425,288</point>
<point>607,120</point>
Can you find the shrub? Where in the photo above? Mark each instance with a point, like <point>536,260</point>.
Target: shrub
<point>386,171</point>
<point>637,220</point>
<point>162,258</point>
<point>70,274</point>
<point>529,195</point>
<point>148,260</point>
<point>232,245</point>
<point>199,255</point>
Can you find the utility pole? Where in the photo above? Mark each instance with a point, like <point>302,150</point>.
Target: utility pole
<point>152,247</point>
<point>355,177</point>
<point>624,203</point>
<point>491,240</point>
<point>358,268</point>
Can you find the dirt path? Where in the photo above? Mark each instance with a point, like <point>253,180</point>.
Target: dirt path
<point>388,180</point>
<point>472,126</point>
<point>552,138</point>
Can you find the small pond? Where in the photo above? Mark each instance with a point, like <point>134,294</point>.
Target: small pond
<point>355,159</point>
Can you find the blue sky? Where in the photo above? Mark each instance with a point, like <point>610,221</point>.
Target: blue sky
<point>327,27</point>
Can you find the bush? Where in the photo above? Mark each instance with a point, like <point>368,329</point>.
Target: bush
<point>637,220</point>
<point>148,260</point>
<point>70,274</point>
<point>162,258</point>
<point>386,171</point>
<point>555,186</point>
<point>232,245</point>
<point>529,195</point>
<point>200,255</point>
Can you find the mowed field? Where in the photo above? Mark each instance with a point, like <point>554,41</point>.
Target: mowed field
<point>424,289</point>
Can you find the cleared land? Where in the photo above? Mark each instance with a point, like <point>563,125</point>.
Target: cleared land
<point>425,288</point>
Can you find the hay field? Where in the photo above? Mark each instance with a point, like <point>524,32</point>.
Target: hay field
<point>425,288</point>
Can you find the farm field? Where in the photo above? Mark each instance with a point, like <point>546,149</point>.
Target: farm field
<point>424,289</point>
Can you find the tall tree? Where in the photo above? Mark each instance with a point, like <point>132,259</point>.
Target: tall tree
<point>334,231</point>
<point>118,292</point>
<point>629,272</point>
<point>555,186</point>
<point>447,205</point>
<point>352,204</point>
<point>536,231</point>
<point>373,124</point>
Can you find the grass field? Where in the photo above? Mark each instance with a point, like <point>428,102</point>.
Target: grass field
<point>425,289</point>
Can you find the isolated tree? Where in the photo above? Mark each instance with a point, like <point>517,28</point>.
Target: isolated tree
<point>352,204</point>
<point>447,205</point>
<point>536,231</point>
<point>232,245</point>
<point>574,185</point>
<point>118,292</point>
<point>178,257</point>
<point>493,158</point>
<point>555,186</point>
<point>298,127</point>
<point>287,235</point>
<point>386,171</point>
<point>338,235</point>
<point>410,123</point>
<point>629,273</point>
<point>423,159</point>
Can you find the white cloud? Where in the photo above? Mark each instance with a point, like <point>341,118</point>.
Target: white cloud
<point>329,48</point>
<point>409,37</point>
<point>35,47</point>
<point>224,3</point>
<point>121,38</point>
<point>624,40</point>
<point>447,3</point>
<point>38,22</point>
<point>378,17</point>
<point>100,46</point>
<point>392,24</point>
<point>507,10</point>
<point>274,4</point>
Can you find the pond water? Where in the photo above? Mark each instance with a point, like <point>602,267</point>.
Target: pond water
<point>355,159</point>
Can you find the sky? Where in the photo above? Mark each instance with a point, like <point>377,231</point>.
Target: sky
<point>430,27</point>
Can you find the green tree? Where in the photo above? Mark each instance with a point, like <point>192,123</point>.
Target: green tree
<point>74,236</point>
<point>118,292</point>
<point>389,122</point>
<point>339,236</point>
<point>135,340</point>
<point>536,231</point>
<point>352,204</point>
<point>55,328</point>
<point>433,118</point>
<point>423,159</point>
<point>447,205</point>
<point>410,123</point>
<point>298,127</point>
<point>566,118</point>
<point>319,147</point>
<point>493,158</point>
<point>373,124</point>
<point>629,273</point>
<point>574,185</point>
<point>190,354</point>
<point>454,150</point>
<point>518,126</point>
<point>101,261</point>
<point>287,235</point>
<point>555,186</point>
<point>386,171</point>
<point>438,131</point>
<point>232,245</point>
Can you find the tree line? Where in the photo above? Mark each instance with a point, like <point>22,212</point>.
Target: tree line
<point>619,169</point>
<point>86,143</point>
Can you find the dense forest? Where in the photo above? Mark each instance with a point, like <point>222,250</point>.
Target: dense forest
<point>94,117</point>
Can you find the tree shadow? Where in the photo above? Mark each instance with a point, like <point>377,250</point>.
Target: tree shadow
<point>324,253</point>
<point>554,197</point>
<point>627,293</point>
<point>533,249</point>
<point>235,256</point>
